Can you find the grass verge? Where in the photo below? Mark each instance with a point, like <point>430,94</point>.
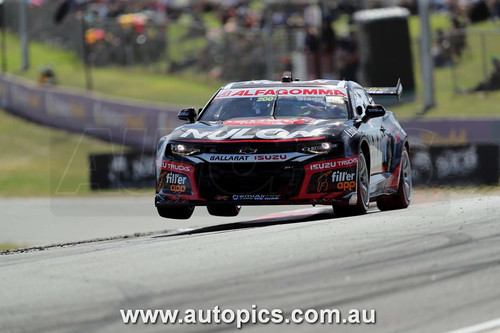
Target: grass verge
<point>8,246</point>
<point>42,161</point>
<point>483,42</point>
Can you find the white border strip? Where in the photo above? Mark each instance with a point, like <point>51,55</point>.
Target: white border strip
<point>479,327</point>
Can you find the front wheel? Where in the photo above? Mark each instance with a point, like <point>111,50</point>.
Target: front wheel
<point>362,191</point>
<point>402,197</point>
<point>224,210</point>
<point>175,212</point>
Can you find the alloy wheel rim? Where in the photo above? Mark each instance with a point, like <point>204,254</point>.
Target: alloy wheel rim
<point>363,180</point>
<point>407,181</point>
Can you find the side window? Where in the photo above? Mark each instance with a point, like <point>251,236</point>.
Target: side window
<point>353,103</point>
<point>361,100</point>
<point>364,97</point>
<point>368,97</point>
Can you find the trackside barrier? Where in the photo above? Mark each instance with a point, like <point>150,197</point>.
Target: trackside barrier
<point>121,171</point>
<point>470,164</point>
<point>138,125</point>
<point>455,132</point>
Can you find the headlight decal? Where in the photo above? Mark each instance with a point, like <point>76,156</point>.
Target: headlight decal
<point>183,149</point>
<point>320,148</point>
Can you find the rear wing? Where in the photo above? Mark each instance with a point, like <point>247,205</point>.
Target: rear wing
<point>395,91</point>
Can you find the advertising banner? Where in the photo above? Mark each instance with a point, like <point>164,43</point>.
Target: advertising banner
<point>121,122</point>
<point>121,171</point>
<point>470,164</point>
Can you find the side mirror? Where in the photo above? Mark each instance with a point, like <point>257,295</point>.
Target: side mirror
<point>188,114</point>
<point>373,111</point>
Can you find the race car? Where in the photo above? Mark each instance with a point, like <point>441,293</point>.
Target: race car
<point>318,142</point>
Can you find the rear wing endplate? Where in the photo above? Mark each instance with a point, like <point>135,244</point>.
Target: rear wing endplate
<point>394,91</point>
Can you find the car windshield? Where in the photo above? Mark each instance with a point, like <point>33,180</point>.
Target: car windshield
<point>316,107</point>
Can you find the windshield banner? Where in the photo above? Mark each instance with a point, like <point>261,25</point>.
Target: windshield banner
<point>292,91</point>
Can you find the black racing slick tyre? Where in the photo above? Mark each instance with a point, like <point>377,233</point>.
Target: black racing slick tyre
<point>175,212</point>
<point>401,199</point>
<point>224,210</point>
<point>362,191</point>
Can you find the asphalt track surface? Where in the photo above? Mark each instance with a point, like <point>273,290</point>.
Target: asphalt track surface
<point>434,267</point>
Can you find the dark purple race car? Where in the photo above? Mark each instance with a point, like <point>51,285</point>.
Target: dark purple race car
<point>285,142</point>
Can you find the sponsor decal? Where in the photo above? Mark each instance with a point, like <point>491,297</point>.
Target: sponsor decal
<point>256,197</point>
<point>160,184</point>
<point>175,178</point>
<point>248,150</point>
<point>339,176</point>
<point>175,183</point>
<point>242,134</point>
<point>329,176</point>
<point>350,131</point>
<point>333,164</point>
<point>345,181</point>
<point>293,91</point>
<point>323,182</point>
<point>181,189</point>
<point>174,166</point>
<point>222,197</point>
<point>376,90</point>
<point>228,158</point>
<point>271,157</point>
<point>266,122</point>
<point>333,100</point>
<point>332,181</point>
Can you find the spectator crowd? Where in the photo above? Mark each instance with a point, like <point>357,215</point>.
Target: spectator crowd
<point>238,36</point>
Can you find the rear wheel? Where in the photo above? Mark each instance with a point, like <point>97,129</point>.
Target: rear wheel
<point>402,197</point>
<point>175,212</point>
<point>224,210</point>
<point>362,191</point>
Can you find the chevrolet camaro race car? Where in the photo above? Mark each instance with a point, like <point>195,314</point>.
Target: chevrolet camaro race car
<point>285,142</point>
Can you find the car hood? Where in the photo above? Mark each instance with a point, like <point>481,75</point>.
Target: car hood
<point>296,129</point>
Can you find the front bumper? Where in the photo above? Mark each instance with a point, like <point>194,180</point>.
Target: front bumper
<point>317,180</point>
